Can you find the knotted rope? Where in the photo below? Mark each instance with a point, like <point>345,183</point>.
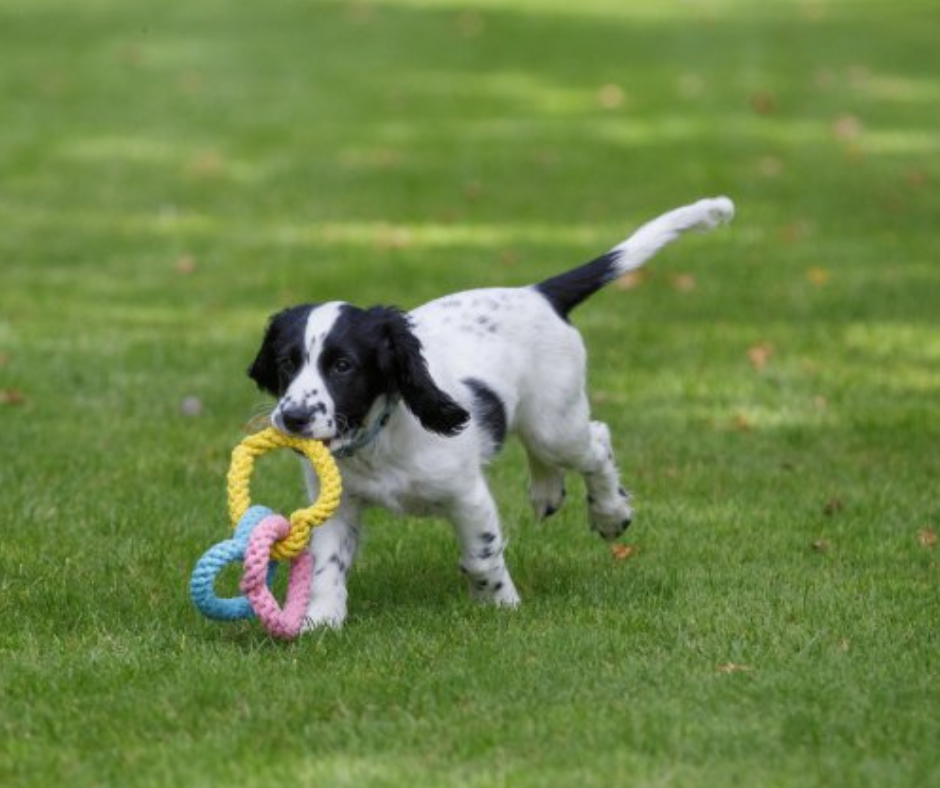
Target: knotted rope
<point>303,520</point>
<point>262,538</point>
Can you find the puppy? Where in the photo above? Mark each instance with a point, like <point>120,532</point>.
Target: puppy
<point>414,405</point>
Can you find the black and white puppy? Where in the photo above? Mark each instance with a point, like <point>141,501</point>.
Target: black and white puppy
<point>414,405</point>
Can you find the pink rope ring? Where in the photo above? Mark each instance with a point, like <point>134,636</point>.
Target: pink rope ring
<point>281,623</point>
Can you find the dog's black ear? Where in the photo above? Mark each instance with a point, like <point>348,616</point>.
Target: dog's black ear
<point>402,361</point>
<point>284,333</point>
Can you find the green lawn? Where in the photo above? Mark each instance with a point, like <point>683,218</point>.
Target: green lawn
<point>173,172</point>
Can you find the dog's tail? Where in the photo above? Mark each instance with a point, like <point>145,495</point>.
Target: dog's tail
<point>565,291</point>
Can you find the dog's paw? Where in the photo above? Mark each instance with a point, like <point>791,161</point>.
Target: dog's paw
<point>325,611</point>
<point>500,592</point>
<point>612,517</point>
<point>547,494</point>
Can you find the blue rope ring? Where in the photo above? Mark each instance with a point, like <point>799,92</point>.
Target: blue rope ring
<point>215,559</point>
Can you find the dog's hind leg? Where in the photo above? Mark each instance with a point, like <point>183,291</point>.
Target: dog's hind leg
<point>476,523</point>
<point>546,486</point>
<point>570,440</point>
<point>609,503</point>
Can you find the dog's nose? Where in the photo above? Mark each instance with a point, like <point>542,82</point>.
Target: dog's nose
<point>295,418</point>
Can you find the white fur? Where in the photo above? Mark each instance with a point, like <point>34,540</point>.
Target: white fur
<point>535,362</point>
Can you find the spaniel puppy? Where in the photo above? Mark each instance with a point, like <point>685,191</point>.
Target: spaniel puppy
<point>413,406</point>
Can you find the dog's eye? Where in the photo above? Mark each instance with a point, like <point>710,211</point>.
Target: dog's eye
<point>342,366</point>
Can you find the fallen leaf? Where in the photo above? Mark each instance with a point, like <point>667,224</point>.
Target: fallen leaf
<point>741,422</point>
<point>12,397</point>
<point>821,545</point>
<point>769,166</point>
<point>794,232</point>
<point>621,552</point>
<point>207,164</point>
<point>927,537</point>
<point>185,265</point>
<point>847,127</point>
<point>760,354</point>
<point>684,283</point>
<point>509,257</point>
<point>917,177</point>
<point>610,96</point>
<point>833,506</point>
<point>763,103</point>
<point>733,667</point>
<point>631,280</point>
<point>818,276</point>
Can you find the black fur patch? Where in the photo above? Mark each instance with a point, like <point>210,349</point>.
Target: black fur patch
<point>489,409</point>
<point>565,291</point>
<point>282,351</point>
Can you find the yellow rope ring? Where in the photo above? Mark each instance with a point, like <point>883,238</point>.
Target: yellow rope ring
<point>303,520</point>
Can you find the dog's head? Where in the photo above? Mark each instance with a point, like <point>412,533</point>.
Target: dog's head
<point>329,364</point>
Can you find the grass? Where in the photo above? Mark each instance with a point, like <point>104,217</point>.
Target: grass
<point>172,174</point>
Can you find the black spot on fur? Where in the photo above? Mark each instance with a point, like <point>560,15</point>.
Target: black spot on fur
<point>488,537</point>
<point>489,410</point>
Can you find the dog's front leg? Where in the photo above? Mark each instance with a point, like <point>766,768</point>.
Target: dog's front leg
<point>476,522</point>
<point>333,546</point>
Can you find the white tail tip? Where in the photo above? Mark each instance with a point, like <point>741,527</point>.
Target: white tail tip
<point>715,212</point>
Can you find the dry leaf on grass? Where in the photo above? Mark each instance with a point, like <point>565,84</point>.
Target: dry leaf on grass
<point>631,280</point>
<point>847,127</point>
<point>927,537</point>
<point>763,103</point>
<point>821,545</point>
<point>684,283</point>
<point>11,397</point>
<point>760,354</point>
<point>733,667</point>
<point>610,96</point>
<point>818,276</point>
<point>185,265</point>
<point>621,552</point>
<point>770,166</point>
<point>207,164</point>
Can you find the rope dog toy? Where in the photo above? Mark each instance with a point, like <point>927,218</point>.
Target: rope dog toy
<point>262,538</point>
